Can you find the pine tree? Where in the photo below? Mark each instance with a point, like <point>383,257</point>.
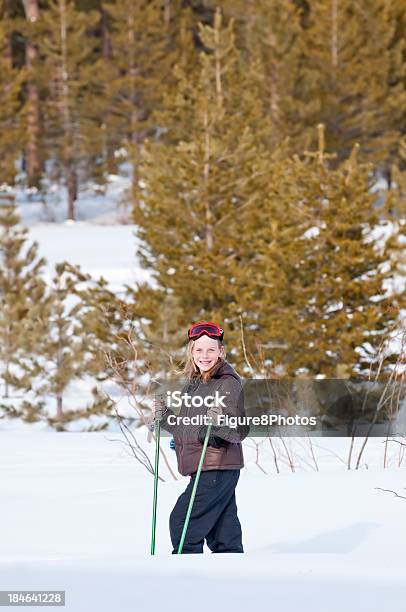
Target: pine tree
<point>161,345</point>
<point>197,188</point>
<point>353,68</point>
<point>34,150</point>
<point>81,319</point>
<point>66,351</point>
<point>67,72</point>
<point>12,116</point>
<point>139,66</point>
<point>318,293</point>
<point>269,35</point>
<point>22,291</point>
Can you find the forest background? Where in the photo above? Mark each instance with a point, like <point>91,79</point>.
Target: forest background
<point>266,149</point>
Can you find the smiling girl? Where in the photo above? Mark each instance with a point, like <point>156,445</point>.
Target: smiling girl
<point>214,515</point>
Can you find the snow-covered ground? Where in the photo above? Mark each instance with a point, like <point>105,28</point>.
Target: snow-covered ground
<point>109,205</point>
<point>75,508</point>
<point>98,240</point>
<point>76,516</point>
<point>100,250</point>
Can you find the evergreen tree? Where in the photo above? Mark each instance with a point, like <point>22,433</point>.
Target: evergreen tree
<point>104,318</point>
<point>34,162</point>
<point>67,73</point>
<point>70,349</point>
<point>318,293</point>
<point>269,35</point>
<point>353,70</point>
<point>22,291</point>
<point>139,66</point>
<point>161,344</point>
<point>12,116</point>
<point>197,188</point>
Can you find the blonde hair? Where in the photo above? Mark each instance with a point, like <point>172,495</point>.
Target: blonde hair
<point>191,370</point>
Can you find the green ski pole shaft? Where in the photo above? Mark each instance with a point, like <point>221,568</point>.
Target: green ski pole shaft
<point>192,497</point>
<point>154,505</point>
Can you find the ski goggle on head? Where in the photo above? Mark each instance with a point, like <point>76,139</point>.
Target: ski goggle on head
<point>205,327</point>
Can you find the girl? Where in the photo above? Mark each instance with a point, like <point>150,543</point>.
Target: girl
<point>214,514</point>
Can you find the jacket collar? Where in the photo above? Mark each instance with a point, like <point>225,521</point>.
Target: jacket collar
<point>223,368</point>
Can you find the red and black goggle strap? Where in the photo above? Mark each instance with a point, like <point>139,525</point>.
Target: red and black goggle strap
<point>210,329</point>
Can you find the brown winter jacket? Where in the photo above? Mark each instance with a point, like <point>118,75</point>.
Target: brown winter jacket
<point>226,381</point>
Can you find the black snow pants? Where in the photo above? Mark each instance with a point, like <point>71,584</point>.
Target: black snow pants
<point>214,515</point>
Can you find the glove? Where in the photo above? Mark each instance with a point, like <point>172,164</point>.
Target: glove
<point>159,409</point>
<point>213,413</point>
<point>214,441</point>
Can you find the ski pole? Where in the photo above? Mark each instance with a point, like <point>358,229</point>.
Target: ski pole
<point>192,497</point>
<point>154,504</point>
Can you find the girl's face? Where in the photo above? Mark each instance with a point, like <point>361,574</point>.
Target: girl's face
<point>206,352</point>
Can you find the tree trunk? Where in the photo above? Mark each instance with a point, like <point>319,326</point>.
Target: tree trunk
<point>206,178</point>
<point>33,156</point>
<point>110,143</point>
<point>334,33</point>
<point>68,128</point>
<point>72,185</point>
<point>106,43</point>
<point>59,412</point>
<point>135,113</point>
